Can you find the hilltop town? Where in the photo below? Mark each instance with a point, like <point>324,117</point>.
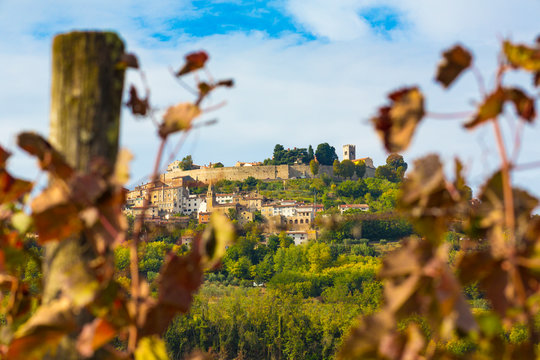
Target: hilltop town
<point>177,197</point>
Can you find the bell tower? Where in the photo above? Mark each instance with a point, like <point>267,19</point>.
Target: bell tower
<point>349,152</point>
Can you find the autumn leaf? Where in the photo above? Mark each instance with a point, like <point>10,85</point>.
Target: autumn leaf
<point>489,109</point>
<point>137,105</point>
<point>128,60</point>
<point>55,216</point>
<point>151,348</point>
<point>194,61</point>
<point>522,56</point>
<point>94,335</point>
<point>178,118</point>
<point>4,155</point>
<point>12,189</point>
<point>523,104</point>
<point>180,277</point>
<point>454,61</point>
<point>217,237</point>
<point>43,331</point>
<point>204,88</point>
<point>396,123</point>
<point>121,169</point>
<point>49,158</point>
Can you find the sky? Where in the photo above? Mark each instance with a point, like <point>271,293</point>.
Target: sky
<point>305,71</point>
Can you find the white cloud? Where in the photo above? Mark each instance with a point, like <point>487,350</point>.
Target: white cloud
<point>288,91</point>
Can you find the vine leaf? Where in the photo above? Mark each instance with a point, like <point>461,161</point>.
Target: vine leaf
<point>49,158</point>
<point>4,155</point>
<point>121,169</point>
<point>522,56</point>
<point>43,331</point>
<point>493,106</point>
<point>216,238</point>
<point>137,105</point>
<point>55,217</point>
<point>151,348</point>
<point>523,104</point>
<point>454,61</point>
<point>396,123</point>
<point>12,189</point>
<point>178,118</point>
<point>194,61</point>
<point>489,109</point>
<point>180,278</point>
<point>94,335</point>
<point>128,60</point>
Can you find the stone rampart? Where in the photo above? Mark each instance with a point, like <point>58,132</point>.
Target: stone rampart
<point>263,172</point>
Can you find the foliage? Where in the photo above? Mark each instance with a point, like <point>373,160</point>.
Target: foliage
<point>326,154</point>
<point>289,156</point>
<point>92,305</point>
<point>394,170</point>
<point>424,282</point>
<point>186,163</point>
<point>314,166</point>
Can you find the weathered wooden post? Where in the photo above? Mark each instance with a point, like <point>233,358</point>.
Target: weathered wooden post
<point>86,95</point>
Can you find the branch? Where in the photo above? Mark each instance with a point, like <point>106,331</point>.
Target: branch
<point>134,261</point>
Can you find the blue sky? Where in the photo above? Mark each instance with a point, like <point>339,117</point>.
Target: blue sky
<point>306,71</point>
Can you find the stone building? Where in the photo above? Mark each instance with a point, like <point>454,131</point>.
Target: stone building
<point>349,152</point>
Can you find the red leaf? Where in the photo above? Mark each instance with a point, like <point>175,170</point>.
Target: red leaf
<point>94,335</point>
<point>12,189</point>
<point>396,123</point>
<point>49,158</point>
<point>194,61</point>
<point>524,105</point>
<point>137,105</point>
<point>454,61</point>
<point>129,61</point>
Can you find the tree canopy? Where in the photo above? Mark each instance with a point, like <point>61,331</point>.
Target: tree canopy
<point>326,154</point>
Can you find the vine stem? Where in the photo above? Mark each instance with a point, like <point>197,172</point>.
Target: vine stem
<point>449,116</point>
<point>506,181</point>
<point>133,258</point>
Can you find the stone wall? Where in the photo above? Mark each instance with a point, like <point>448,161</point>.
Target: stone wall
<point>265,172</point>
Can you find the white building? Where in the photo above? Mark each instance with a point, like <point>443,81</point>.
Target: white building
<point>224,198</point>
<point>343,208</point>
<point>299,237</point>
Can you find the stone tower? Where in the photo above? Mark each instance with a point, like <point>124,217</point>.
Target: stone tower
<point>349,152</point>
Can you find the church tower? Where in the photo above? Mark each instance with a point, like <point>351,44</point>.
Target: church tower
<point>349,152</point>
<point>210,198</point>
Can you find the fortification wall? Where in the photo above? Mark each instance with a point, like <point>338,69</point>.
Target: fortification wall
<point>265,172</point>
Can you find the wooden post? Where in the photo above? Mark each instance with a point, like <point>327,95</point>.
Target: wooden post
<point>86,95</point>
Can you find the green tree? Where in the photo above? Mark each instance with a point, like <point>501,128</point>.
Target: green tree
<point>273,242</point>
<point>314,166</point>
<point>311,154</point>
<point>347,168</point>
<point>240,268</point>
<point>232,214</point>
<point>319,256</point>
<point>336,167</point>
<point>250,183</point>
<point>360,169</point>
<point>395,161</point>
<point>217,165</point>
<point>388,173</point>
<point>351,189</point>
<point>186,163</point>
<point>284,240</point>
<point>279,151</point>
<point>326,154</point>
